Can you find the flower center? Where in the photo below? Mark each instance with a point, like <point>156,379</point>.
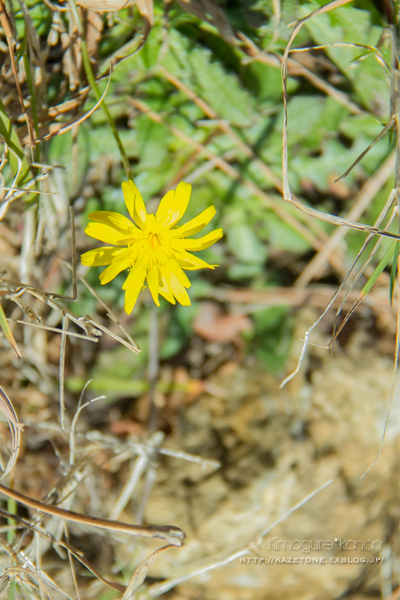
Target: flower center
<point>151,247</point>
<point>154,241</point>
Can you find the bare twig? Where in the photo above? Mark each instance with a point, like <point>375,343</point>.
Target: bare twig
<point>173,535</point>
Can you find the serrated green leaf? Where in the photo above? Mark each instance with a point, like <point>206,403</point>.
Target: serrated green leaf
<point>176,59</point>
<point>220,89</point>
<point>152,143</point>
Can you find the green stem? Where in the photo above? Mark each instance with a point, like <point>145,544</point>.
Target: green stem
<point>31,92</point>
<point>12,509</point>
<point>11,137</point>
<point>11,590</point>
<point>93,84</point>
<point>97,93</point>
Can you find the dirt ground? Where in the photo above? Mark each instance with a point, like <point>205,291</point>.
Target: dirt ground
<point>276,447</point>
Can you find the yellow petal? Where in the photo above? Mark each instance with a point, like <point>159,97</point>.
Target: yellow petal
<point>164,207</point>
<point>107,234</point>
<point>201,243</point>
<point>122,262</point>
<point>153,281</point>
<point>190,262</point>
<point>133,286</point>
<point>100,256</point>
<point>173,206</point>
<point>112,219</point>
<point>177,289</point>
<point>165,291</point>
<point>180,275</point>
<point>195,224</point>
<point>134,203</point>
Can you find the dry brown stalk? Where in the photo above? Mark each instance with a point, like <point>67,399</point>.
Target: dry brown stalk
<point>173,535</point>
<point>361,201</point>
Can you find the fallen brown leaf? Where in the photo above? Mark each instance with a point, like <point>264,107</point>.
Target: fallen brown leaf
<point>214,326</point>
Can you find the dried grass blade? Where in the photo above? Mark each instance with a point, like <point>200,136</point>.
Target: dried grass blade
<point>117,338</point>
<point>287,195</point>
<point>132,344</point>
<point>362,270</point>
<point>382,216</point>
<point>15,426</point>
<point>64,328</point>
<point>387,127</point>
<point>8,333</point>
<point>346,319</point>
<point>334,220</point>
<point>93,84</point>
<point>338,291</point>
<point>391,398</point>
<point>75,421</point>
<point>56,330</point>
<point>387,257</point>
<point>6,23</point>
<point>105,5</point>
<point>323,9</point>
<point>15,192</point>
<point>146,9</point>
<point>361,201</point>
<point>139,575</point>
<point>79,121</point>
<point>76,553</point>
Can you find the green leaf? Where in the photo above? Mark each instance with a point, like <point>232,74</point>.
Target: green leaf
<point>220,89</point>
<point>283,237</point>
<point>244,271</point>
<point>387,257</point>
<point>272,337</point>
<point>152,144</point>
<point>393,271</point>
<point>15,154</point>
<point>356,125</point>
<point>245,245</point>
<point>304,117</point>
<point>265,82</point>
<point>176,59</point>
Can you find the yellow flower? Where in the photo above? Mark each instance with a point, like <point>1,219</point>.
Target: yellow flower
<point>152,248</point>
